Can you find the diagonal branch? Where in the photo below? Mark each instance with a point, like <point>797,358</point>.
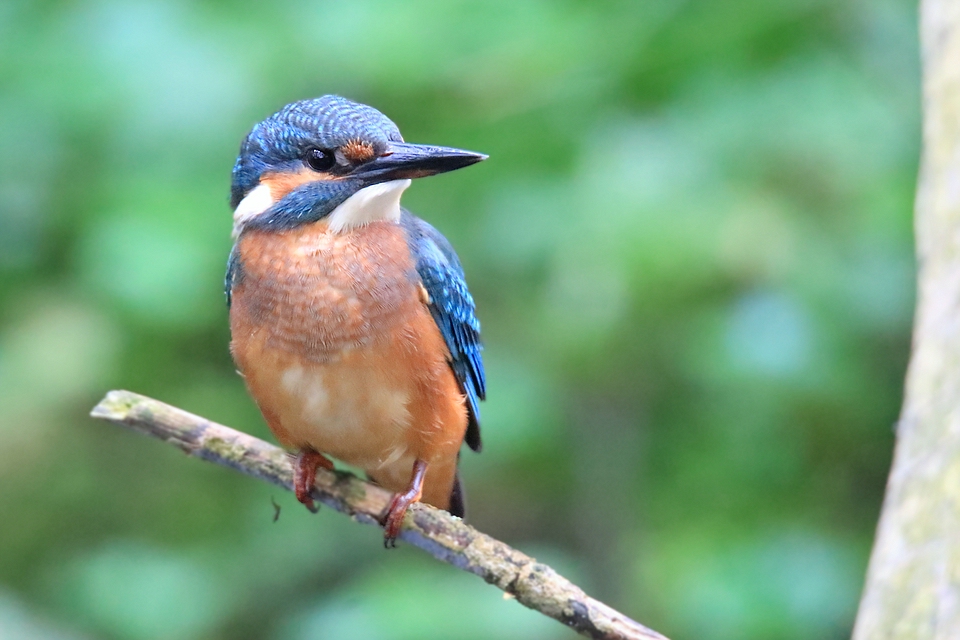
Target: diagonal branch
<point>446,538</point>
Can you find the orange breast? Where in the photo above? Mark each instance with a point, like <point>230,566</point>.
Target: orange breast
<point>342,355</point>
<point>316,293</point>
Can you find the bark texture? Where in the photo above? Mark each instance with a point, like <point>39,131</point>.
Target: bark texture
<point>913,583</point>
<point>533,584</point>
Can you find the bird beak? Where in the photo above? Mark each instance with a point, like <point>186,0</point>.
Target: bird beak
<point>403,160</point>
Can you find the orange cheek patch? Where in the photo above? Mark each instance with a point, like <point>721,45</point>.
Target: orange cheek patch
<point>280,184</point>
<point>357,151</point>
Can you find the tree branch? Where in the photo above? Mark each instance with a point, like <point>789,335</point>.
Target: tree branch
<point>446,538</point>
<point>912,590</point>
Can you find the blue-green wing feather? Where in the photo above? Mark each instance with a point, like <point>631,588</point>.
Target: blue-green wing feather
<point>454,312</point>
<point>234,274</point>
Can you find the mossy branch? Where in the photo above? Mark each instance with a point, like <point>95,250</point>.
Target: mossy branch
<point>535,585</point>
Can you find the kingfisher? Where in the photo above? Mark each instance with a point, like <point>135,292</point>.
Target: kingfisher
<point>350,318</point>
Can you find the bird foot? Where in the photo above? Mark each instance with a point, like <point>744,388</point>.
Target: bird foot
<point>305,475</point>
<point>400,503</point>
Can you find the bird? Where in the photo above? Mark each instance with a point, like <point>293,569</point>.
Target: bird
<point>350,318</point>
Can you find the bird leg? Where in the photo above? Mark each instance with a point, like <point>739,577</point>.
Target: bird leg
<point>305,475</point>
<point>400,503</point>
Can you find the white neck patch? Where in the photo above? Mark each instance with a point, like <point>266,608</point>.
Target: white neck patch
<point>252,205</point>
<point>376,202</point>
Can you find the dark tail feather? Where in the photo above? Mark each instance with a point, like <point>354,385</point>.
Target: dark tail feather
<point>472,436</point>
<point>458,506</point>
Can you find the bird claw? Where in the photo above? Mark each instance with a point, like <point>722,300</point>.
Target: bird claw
<point>394,520</point>
<point>400,503</point>
<point>305,475</point>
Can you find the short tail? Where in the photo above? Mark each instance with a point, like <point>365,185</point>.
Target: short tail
<point>458,505</point>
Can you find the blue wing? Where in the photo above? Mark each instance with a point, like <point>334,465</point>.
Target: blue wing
<point>234,274</point>
<point>453,310</point>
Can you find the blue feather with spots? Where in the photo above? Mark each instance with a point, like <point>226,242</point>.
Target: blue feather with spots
<point>452,308</point>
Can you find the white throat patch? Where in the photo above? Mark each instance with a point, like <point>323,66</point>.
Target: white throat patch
<point>376,202</point>
<point>252,205</point>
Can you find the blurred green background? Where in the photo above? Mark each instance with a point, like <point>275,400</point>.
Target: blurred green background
<point>691,250</point>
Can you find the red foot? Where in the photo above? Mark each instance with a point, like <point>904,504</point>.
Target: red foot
<point>400,503</point>
<point>305,474</point>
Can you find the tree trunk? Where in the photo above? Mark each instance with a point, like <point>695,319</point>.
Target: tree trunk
<point>913,583</point>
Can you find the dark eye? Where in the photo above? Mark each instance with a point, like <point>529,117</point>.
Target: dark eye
<point>320,159</point>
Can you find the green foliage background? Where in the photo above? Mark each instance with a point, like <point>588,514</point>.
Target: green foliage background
<point>691,251</point>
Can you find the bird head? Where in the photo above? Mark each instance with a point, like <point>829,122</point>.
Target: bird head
<point>329,158</point>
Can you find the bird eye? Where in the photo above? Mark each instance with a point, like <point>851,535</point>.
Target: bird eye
<point>320,159</point>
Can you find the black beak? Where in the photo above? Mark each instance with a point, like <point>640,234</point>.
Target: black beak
<point>403,160</point>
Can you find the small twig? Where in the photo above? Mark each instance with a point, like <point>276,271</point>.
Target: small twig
<point>535,585</point>
<point>276,509</point>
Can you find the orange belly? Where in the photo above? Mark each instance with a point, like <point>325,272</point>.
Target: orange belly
<point>342,355</point>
